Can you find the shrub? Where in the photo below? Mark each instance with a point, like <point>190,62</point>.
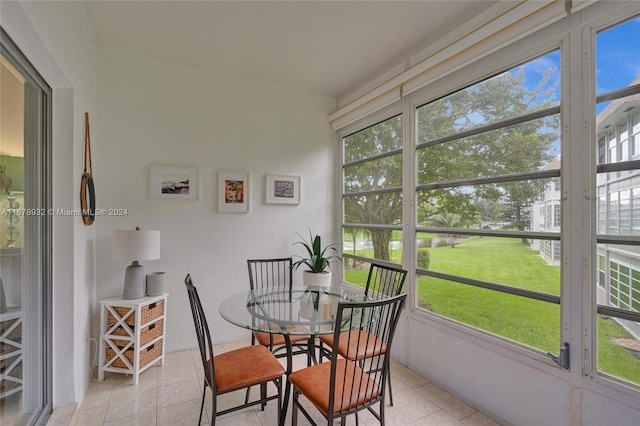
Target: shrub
<point>424,257</point>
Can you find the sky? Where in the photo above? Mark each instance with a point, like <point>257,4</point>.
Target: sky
<point>617,60</point>
<point>617,56</point>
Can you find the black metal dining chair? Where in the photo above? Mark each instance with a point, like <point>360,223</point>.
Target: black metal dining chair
<point>233,370</point>
<point>382,282</point>
<point>278,272</point>
<point>346,386</point>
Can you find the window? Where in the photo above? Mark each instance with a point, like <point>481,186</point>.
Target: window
<point>624,142</point>
<point>372,197</point>
<point>614,213</point>
<point>635,136</point>
<point>635,211</point>
<point>602,156</point>
<point>618,286</point>
<point>602,210</point>
<point>602,271</point>
<point>613,149</point>
<point>487,158</point>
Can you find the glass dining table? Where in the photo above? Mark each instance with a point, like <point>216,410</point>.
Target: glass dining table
<point>295,310</point>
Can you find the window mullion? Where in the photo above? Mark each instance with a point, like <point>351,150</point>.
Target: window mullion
<point>409,181</point>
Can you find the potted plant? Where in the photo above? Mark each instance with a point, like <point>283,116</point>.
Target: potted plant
<point>317,261</point>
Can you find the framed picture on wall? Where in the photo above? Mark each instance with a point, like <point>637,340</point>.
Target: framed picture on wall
<point>283,189</point>
<point>173,182</point>
<point>233,192</point>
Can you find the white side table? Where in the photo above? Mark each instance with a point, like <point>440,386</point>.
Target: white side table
<point>10,352</point>
<point>132,334</point>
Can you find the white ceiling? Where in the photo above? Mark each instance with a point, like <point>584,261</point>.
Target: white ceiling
<point>326,47</point>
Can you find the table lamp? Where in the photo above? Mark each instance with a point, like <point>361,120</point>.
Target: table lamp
<point>135,245</point>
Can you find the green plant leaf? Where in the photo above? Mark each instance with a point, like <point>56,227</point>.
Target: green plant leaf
<point>317,259</point>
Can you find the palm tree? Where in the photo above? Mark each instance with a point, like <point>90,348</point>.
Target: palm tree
<point>447,220</point>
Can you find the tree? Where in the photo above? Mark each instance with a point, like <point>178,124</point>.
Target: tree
<point>384,173</point>
<point>447,220</point>
<point>506,150</point>
<point>520,148</point>
<point>491,211</point>
<point>526,146</point>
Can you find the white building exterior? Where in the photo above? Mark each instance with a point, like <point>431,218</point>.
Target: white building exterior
<point>618,135</point>
<point>546,216</point>
<point>618,130</point>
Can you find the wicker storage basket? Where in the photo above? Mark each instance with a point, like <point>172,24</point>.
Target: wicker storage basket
<point>121,331</point>
<point>119,363</point>
<point>16,373</point>
<point>15,334</point>
<point>151,332</point>
<point>150,353</point>
<point>147,334</point>
<point>122,311</point>
<point>147,355</point>
<point>151,311</point>
<point>147,313</point>
<point>6,363</point>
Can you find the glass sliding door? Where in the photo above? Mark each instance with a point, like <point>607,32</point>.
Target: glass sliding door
<point>25,241</point>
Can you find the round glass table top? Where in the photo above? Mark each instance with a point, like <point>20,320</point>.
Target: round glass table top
<point>280,309</point>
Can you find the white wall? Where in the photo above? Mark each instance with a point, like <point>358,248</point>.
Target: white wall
<point>511,387</point>
<point>57,39</point>
<point>155,112</point>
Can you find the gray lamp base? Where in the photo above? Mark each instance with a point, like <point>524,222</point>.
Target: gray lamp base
<point>134,282</point>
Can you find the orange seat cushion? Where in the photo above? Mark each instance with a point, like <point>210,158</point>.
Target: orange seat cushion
<point>245,367</point>
<point>278,339</point>
<point>314,381</point>
<point>356,344</point>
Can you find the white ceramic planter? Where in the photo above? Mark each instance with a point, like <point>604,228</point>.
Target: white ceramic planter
<point>322,279</point>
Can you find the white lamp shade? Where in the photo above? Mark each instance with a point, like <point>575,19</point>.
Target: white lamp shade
<point>137,245</point>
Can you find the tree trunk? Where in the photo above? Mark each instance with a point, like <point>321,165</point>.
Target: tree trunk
<point>381,238</point>
<point>521,225</point>
<point>353,261</point>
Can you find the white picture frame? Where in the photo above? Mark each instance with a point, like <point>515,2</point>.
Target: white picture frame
<point>282,189</point>
<point>173,182</point>
<point>233,191</point>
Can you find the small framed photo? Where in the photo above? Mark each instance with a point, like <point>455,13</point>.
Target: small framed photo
<point>173,182</point>
<point>233,192</point>
<point>283,189</point>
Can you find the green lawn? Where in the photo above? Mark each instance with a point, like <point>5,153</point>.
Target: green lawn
<point>498,260</point>
<point>527,321</point>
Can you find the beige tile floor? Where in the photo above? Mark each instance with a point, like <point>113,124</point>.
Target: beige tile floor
<point>170,395</point>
